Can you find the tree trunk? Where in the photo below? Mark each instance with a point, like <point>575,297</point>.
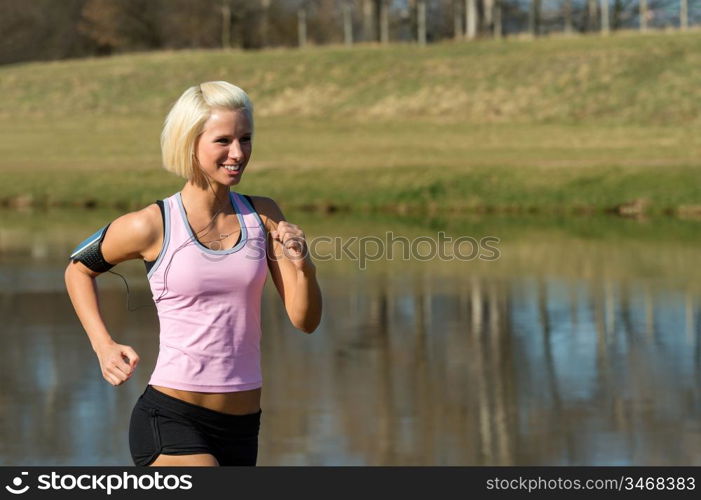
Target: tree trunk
<point>421,18</point>
<point>592,17</point>
<point>683,14</point>
<point>302,26</point>
<point>470,19</point>
<point>643,15</point>
<point>347,23</point>
<point>488,13</point>
<point>616,19</point>
<point>264,22</point>
<point>225,25</point>
<point>498,30</point>
<point>384,21</point>
<point>457,20</point>
<point>568,16</point>
<point>534,18</point>
<point>605,25</point>
<point>369,21</point>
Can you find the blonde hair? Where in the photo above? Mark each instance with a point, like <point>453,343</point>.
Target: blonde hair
<point>186,119</point>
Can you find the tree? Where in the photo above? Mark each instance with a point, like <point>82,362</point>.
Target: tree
<point>643,15</point>
<point>421,21</point>
<point>42,30</point>
<point>457,19</point>
<point>534,16</point>
<point>471,19</point>
<point>384,20</point>
<point>302,25</point>
<point>567,14</point>
<point>347,22</point>
<point>605,26</point>
<point>683,14</point>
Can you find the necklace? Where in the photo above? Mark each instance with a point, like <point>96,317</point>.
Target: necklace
<point>216,244</point>
<point>212,244</point>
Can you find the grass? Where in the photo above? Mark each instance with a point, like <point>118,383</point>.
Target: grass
<point>558,125</point>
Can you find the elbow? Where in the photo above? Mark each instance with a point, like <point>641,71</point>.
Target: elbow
<point>67,274</point>
<point>307,325</point>
<point>74,271</point>
<point>309,320</point>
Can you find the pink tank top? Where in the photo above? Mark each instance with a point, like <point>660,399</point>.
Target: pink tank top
<point>208,304</point>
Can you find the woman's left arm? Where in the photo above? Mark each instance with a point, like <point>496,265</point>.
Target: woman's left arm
<point>291,266</point>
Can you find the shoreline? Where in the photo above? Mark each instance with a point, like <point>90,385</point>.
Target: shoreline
<point>638,208</point>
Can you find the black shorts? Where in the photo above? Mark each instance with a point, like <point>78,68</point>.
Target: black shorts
<point>164,424</point>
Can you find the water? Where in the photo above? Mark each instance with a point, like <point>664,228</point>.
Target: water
<point>580,345</point>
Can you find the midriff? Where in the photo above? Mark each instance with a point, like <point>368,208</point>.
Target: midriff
<point>233,403</point>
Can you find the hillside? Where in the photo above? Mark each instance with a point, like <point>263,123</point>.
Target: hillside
<point>579,123</point>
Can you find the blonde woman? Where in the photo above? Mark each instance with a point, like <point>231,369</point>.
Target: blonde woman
<point>207,251</point>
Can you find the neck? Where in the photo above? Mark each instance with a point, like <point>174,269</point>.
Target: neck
<point>206,200</point>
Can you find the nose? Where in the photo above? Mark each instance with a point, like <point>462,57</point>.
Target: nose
<point>235,151</point>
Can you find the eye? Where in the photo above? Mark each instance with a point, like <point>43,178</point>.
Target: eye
<point>246,139</point>
<point>222,140</point>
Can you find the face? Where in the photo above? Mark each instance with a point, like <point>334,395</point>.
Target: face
<point>225,145</point>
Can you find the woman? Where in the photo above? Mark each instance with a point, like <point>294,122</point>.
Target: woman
<point>207,251</point>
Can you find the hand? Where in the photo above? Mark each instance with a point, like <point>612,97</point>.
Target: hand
<point>294,244</point>
<point>117,362</point>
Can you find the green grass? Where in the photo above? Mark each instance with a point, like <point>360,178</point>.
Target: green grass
<point>558,125</point>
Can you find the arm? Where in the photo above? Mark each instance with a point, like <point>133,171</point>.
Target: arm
<point>291,267</point>
<point>131,236</point>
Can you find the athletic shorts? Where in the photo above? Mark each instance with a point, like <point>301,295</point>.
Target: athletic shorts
<point>162,424</point>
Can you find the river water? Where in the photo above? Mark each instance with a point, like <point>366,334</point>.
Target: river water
<point>579,345</point>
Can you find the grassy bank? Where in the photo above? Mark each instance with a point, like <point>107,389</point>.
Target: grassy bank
<point>560,125</point>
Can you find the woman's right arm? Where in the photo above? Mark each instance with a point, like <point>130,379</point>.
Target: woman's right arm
<point>131,236</point>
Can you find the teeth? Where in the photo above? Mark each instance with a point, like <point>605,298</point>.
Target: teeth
<point>232,168</point>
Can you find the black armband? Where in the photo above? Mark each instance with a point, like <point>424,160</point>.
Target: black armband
<point>89,252</point>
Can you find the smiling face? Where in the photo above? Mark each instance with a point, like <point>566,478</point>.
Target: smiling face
<point>225,145</point>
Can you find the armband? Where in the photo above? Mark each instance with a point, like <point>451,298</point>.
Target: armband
<point>89,252</point>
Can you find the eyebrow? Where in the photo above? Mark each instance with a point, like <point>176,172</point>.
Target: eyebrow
<point>227,136</point>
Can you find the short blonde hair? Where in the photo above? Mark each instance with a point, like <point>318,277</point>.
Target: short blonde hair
<point>186,119</point>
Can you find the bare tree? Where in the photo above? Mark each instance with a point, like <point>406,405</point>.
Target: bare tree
<point>683,14</point>
<point>457,19</point>
<point>369,20</point>
<point>384,20</point>
<point>225,25</point>
<point>567,12</point>
<point>534,18</point>
<point>488,15</point>
<point>302,25</point>
<point>264,22</point>
<point>592,15</point>
<point>421,21</point>
<point>643,15</point>
<point>347,22</point>
<point>471,19</point>
<point>127,24</point>
<point>498,29</point>
<point>605,25</point>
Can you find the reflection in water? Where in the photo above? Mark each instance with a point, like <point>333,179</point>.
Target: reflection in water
<point>412,365</point>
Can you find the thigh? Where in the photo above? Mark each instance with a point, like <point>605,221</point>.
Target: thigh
<point>195,460</point>
<point>238,446</point>
<point>239,452</point>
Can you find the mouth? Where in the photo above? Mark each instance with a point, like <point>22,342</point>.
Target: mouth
<point>234,169</point>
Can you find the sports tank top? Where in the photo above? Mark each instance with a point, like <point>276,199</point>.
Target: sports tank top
<point>208,304</point>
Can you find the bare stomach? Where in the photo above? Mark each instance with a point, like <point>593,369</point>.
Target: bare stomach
<point>233,403</point>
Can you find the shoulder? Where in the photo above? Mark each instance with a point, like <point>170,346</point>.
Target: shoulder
<point>133,234</point>
<point>268,210</point>
<point>141,223</point>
